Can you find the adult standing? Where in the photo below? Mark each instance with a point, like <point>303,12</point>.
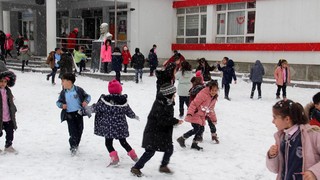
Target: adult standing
<point>72,39</point>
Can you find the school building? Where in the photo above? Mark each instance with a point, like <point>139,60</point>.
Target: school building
<point>243,30</point>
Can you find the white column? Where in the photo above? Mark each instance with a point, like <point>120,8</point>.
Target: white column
<point>211,23</point>
<point>1,16</point>
<point>51,8</point>
<point>6,22</point>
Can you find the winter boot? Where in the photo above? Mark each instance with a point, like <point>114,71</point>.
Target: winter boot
<point>136,172</point>
<point>215,137</point>
<point>195,146</point>
<point>181,141</point>
<point>165,169</point>
<point>10,149</point>
<point>133,155</point>
<point>114,158</point>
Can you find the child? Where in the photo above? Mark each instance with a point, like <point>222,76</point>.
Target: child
<point>224,63</point>
<point>282,76</point>
<point>106,55</point>
<point>200,108</point>
<point>110,120</point>
<point>153,61</point>
<point>126,56</point>
<point>184,76</point>
<point>296,152</point>
<point>256,74</point>
<point>137,63</point>
<point>80,58</point>
<point>8,45</point>
<point>312,110</point>
<point>166,75</point>
<point>72,99</point>
<point>24,56</point>
<point>228,75</point>
<point>53,60</point>
<point>8,109</point>
<point>157,134</point>
<point>117,62</point>
<point>205,69</point>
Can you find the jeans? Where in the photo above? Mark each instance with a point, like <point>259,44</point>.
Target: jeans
<point>196,131</point>
<point>183,100</point>
<point>105,67</point>
<point>254,84</point>
<point>53,74</point>
<point>118,75</point>
<point>226,90</point>
<point>8,128</point>
<point>75,127</point>
<point>123,142</point>
<point>138,74</point>
<point>125,68</point>
<point>212,127</point>
<point>148,154</point>
<point>284,90</point>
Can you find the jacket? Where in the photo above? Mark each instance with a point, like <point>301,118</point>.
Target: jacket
<point>65,64</point>
<point>257,72</point>
<point>72,41</point>
<point>201,107</point>
<point>278,75</point>
<point>205,71</point>
<point>126,56</point>
<point>184,83</point>
<point>117,61</point>
<point>78,56</point>
<point>105,54</point>
<point>228,72</point>
<point>9,42</point>
<point>51,60</point>
<point>310,138</point>
<point>137,61</point>
<point>12,109</point>
<point>157,134</point>
<point>153,60</point>
<point>24,53</point>
<point>110,120</point>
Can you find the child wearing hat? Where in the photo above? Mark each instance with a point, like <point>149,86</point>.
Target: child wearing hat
<point>110,120</point>
<point>8,109</point>
<point>157,134</point>
<point>72,99</point>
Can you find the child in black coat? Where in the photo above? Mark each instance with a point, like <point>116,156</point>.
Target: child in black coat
<point>228,75</point>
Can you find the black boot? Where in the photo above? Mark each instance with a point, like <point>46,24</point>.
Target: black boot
<point>251,96</point>
<point>181,141</point>
<point>195,146</point>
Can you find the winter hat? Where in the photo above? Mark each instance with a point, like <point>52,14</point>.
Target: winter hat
<point>114,87</point>
<point>167,89</point>
<point>9,76</point>
<point>76,30</point>
<point>171,66</point>
<point>199,74</point>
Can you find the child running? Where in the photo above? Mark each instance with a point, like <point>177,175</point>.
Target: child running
<point>201,108</point>
<point>72,99</point>
<point>8,109</point>
<point>296,152</point>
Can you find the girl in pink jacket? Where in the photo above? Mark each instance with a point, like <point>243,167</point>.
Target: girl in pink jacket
<point>201,107</point>
<point>282,76</point>
<point>296,152</point>
<point>106,55</point>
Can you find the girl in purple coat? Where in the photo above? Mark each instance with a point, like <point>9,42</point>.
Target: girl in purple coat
<point>296,152</point>
<point>110,120</point>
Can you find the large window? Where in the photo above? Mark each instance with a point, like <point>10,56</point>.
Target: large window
<point>235,22</point>
<point>191,25</point>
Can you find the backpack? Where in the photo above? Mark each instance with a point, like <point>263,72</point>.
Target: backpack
<point>50,58</point>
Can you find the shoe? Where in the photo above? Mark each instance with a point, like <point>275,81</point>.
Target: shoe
<point>136,172</point>
<point>165,169</point>
<point>196,147</point>
<point>181,142</point>
<point>278,97</point>
<point>251,97</point>
<point>137,81</point>
<point>53,84</point>
<point>133,155</point>
<point>227,98</point>
<point>259,97</point>
<point>9,149</point>
<point>48,77</point>
<point>114,158</point>
<point>73,151</point>
<point>215,138</point>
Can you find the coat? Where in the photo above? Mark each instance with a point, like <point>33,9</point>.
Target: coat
<point>153,60</point>
<point>106,55</point>
<point>310,139</point>
<point>137,61</point>
<point>126,56</point>
<point>228,72</point>
<point>278,75</point>
<point>157,134</point>
<point>184,83</point>
<point>12,109</point>
<point>201,107</point>
<point>24,53</point>
<point>51,59</point>
<point>9,43</point>
<point>65,64</point>
<point>110,120</point>
<point>205,71</point>
<point>257,72</point>
<point>117,61</point>
<point>72,42</point>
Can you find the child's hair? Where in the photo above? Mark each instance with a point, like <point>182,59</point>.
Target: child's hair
<point>196,80</point>
<point>292,109</point>
<point>185,66</point>
<point>282,61</point>
<point>56,49</point>
<point>82,48</point>
<point>226,58</point>
<point>316,98</point>
<point>212,83</point>
<point>105,43</point>
<point>69,76</point>
<point>116,49</point>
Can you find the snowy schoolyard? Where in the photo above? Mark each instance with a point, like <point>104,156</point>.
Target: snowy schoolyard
<point>244,126</point>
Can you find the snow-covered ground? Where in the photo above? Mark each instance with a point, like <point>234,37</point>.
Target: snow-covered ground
<point>244,126</point>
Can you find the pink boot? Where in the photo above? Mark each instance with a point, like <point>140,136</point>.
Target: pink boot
<point>114,158</point>
<point>133,155</point>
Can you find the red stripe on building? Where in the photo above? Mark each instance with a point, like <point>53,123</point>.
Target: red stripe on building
<point>249,47</point>
<point>191,3</point>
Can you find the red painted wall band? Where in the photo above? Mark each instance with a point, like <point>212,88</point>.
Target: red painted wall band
<point>249,47</point>
<point>190,3</point>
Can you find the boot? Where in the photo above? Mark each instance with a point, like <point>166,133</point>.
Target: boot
<point>181,141</point>
<point>136,172</point>
<point>114,158</point>
<point>133,155</point>
<point>195,146</point>
<point>181,113</point>
<point>215,137</point>
<point>165,169</point>
<point>251,96</point>
<point>10,149</point>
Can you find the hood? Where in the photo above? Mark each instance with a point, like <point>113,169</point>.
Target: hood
<point>257,63</point>
<point>8,35</point>
<point>114,99</point>
<point>230,63</point>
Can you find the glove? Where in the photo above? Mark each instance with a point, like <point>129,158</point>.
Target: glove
<point>137,118</point>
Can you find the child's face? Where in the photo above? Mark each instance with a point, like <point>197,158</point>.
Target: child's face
<point>284,65</point>
<point>280,122</point>
<point>317,106</point>
<point>214,91</point>
<point>67,84</point>
<point>224,61</point>
<point>3,83</point>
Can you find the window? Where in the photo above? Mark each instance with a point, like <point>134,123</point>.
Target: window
<point>191,25</point>
<point>235,23</point>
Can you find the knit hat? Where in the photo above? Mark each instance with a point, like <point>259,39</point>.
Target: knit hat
<point>167,89</point>
<point>114,87</point>
<point>170,66</point>
<point>199,74</point>
<point>9,76</point>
